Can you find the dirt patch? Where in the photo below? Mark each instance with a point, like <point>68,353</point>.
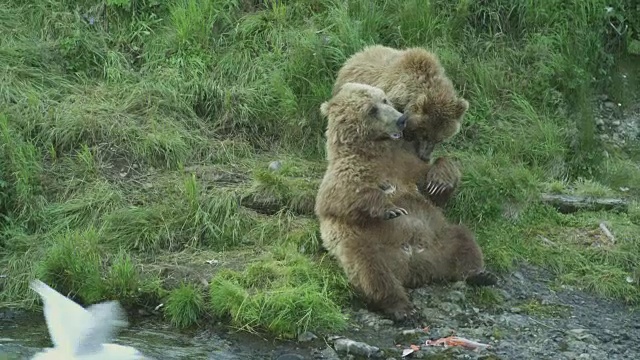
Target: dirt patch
<point>197,267</point>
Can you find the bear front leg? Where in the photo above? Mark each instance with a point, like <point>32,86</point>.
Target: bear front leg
<point>369,271</point>
<point>424,149</point>
<point>441,181</point>
<point>376,203</point>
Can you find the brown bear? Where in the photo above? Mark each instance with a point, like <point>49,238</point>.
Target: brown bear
<point>416,83</point>
<point>384,233</point>
<point>352,178</point>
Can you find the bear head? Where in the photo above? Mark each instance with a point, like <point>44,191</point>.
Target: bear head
<point>360,116</point>
<point>434,116</point>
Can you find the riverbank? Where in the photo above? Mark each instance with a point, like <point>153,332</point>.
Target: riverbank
<point>167,155</point>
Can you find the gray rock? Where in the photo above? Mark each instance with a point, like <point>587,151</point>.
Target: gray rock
<point>290,357</point>
<point>307,336</point>
<point>456,296</point>
<point>348,346</point>
<point>450,308</point>
<point>275,165</point>
<point>329,354</point>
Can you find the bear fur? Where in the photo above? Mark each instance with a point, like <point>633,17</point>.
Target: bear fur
<point>374,218</point>
<point>416,83</point>
<point>359,115</point>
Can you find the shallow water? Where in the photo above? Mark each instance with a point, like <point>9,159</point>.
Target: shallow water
<point>21,336</point>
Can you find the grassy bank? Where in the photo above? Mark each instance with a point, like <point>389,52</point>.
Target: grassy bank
<point>136,138</point>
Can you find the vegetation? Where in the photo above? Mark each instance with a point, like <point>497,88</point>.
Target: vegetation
<point>136,138</point>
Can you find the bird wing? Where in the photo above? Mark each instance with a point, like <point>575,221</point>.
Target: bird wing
<point>65,318</point>
<point>106,317</point>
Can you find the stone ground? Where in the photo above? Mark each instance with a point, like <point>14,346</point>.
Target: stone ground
<point>531,322</point>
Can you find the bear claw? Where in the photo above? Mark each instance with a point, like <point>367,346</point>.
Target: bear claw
<point>482,278</point>
<point>438,188</point>
<point>402,313</point>
<point>388,188</point>
<point>394,213</point>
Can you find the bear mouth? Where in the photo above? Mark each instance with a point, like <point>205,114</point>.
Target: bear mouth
<point>396,136</point>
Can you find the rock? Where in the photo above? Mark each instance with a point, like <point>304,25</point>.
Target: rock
<point>609,105</point>
<point>290,357</point>
<point>599,122</point>
<point>306,336</point>
<point>580,334</point>
<point>348,346</point>
<point>329,354</point>
<point>275,165</point>
<point>519,276</point>
<point>456,296</point>
<point>615,123</point>
<point>450,308</point>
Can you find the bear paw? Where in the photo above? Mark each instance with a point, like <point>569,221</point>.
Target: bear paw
<point>388,188</point>
<point>402,312</point>
<point>482,278</point>
<point>394,213</point>
<point>444,175</point>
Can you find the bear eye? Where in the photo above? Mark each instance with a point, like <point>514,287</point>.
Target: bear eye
<point>385,101</point>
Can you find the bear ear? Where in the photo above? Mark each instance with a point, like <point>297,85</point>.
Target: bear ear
<point>462,106</point>
<point>324,108</point>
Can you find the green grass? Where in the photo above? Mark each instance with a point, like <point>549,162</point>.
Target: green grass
<point>184,305</point>
<point>136,138</point>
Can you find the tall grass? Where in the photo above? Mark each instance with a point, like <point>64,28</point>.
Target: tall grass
<point>135,138</point>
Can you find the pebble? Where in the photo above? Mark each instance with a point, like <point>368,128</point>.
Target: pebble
<point>290,357</point>
<point>306,336</point>
<point>329,354</point>
<point>275,165</point>
<point>450,308</point>
<point>456,296</point>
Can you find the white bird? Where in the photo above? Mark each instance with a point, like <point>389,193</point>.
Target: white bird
<point>82,334</point>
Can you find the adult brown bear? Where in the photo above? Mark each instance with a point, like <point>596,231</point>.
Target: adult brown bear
<point>415,82</point>
<point>373,217</point>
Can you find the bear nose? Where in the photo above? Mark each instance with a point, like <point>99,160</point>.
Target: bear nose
<point>402,121</point>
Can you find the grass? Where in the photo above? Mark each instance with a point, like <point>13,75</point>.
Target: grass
<point>136,139</point>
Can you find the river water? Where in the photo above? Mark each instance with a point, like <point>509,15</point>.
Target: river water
<point>22,335</point>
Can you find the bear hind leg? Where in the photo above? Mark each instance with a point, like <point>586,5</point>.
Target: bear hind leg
<point>371,272</point>
<point>458,258</point>
<point>467,259</point>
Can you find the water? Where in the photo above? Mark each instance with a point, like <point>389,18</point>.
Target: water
<point>22,335</point>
